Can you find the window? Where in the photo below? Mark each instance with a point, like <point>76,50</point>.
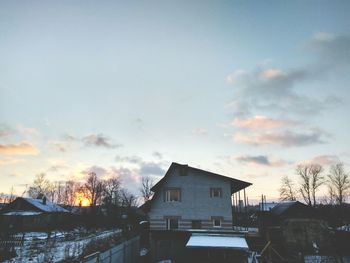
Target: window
<point>216,221</point>
<point>196,224</point>
<point>215,192</point>
<point>172,195</point>
<point>172,223</point>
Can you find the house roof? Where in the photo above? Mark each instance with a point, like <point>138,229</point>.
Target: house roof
<point>48,207</point>
<point>285,207</point>
<point>38,204</point>
<point>236,185</point>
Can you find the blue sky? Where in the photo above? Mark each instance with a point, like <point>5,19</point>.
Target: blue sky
<point>248,89</point>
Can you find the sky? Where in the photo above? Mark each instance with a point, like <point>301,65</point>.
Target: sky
<point>247,89</point>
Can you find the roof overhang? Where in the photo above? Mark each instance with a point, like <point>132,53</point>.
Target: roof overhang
<point>217,241</point>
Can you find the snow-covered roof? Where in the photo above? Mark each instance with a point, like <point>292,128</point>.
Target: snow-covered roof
<point>47,207</point>
<point>22,213</point>
<point>217,241</point>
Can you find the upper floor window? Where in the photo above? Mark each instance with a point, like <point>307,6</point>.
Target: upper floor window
<point>172,195</point>
<point>215,192</point>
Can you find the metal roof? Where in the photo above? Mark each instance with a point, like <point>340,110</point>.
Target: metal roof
<point>217,241</point>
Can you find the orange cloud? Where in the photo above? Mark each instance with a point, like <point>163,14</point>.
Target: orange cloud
<point>21,148</point>
<point>272,73</point>
<point>260,122</point>
<point>286,138</point>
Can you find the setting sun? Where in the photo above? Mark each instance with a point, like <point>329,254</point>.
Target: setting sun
<point>81,200</point>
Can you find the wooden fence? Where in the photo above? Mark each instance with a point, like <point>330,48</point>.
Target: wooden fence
<point>126,252</point>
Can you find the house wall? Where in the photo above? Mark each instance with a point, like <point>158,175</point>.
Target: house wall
<point>41,222</point>
<point>195,204</point>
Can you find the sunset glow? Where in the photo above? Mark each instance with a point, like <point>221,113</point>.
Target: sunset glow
<point>240,88</point>
<point>81,200</point>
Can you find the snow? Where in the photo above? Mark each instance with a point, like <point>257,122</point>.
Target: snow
<point>344,228</point>
<point>61,245</point>
<point>143,252</point>
<point>48,207</point>
<point>217,241</point>
<point>22,213</point>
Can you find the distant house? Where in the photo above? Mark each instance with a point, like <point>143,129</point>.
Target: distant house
<point>293,226</point>
<point>29,214</point>
<point>267,206</point>
<point>191,206</point>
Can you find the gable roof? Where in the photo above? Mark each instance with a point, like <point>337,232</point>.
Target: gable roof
<point>38,205</point>
<point>236,185</point>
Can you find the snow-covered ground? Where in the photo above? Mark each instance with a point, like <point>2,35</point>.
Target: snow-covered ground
<point>39,248</point>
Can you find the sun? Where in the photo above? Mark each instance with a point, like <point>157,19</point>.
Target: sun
<point>84,202</point>
<point>81,200</point>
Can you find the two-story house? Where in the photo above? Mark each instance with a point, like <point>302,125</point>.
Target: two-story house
<point>188,200</point>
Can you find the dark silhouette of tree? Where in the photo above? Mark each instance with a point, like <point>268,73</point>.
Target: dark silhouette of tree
<point>40,186</point>
<point>111,191</point>
<point>287,191</point>
<point>69,192</point>
<point>93,189</point>
<point>311,179</point>
<point>128,199</point>
<point>145,189</point>
<point>338,183</point>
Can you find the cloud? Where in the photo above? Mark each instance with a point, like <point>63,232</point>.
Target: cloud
<point>99,140</point>
<point>275,89</point>
<point>200,131</point>
<point>129,159</point>
<point>69,137</point>
<point>129,177</point>
<point>332,50</point>
<point>145,168</point>
<point>284,138</point>
<point>259,160</point>
<point>151,168</point>
<point>57,165</point>
<point>6,131</point>
<point>261,122</point>
<point>158,155</point>
<point>9,161</point>
<point>272,73</point>
<point>21,148</point>
<point>26,130</point>
<point>323,160</point>
<point>59,146</point>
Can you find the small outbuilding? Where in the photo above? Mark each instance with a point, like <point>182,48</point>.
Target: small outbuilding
<point>29,214</point>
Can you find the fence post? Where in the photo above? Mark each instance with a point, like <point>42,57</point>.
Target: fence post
<point>124,253</point>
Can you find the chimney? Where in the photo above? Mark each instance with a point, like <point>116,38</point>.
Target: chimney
<point>44,200</point>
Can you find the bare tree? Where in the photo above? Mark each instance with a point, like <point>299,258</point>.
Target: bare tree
<point>69,192</point>
<point>128,199</point>
<point>40,186</point>
<point>7,198</point>
<point>93,189</point>
<point>287,191</point>
<point>145,189</point>
<point>311,179</point>
<point>338,183</point>
<point>111,191</point>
